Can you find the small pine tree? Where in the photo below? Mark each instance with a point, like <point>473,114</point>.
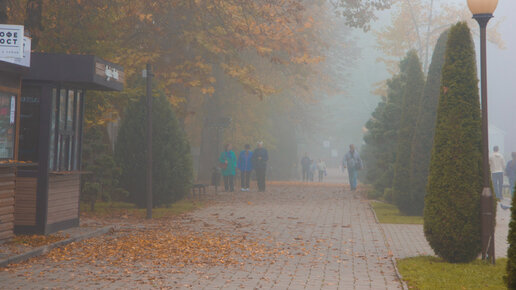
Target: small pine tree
<point>425,128</point>
<point>172,171</point>
<point>379,151</point>
<point>452,203</point>
<point>402,194</point>
<point>510,279</point>
<point>97,158</point>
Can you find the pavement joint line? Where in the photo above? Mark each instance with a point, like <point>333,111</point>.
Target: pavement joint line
<point>47,248</point>
<point>393,260</point>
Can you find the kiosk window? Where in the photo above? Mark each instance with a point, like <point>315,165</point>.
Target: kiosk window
<point>7,120</point>
<point>29,124</point>
<point>65,130</point>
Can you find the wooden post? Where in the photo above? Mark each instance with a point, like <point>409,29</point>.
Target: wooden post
<point>149,142</point>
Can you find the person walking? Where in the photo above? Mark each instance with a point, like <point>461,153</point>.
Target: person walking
<point>305,166</point>
<point>245,165</point>
<point>353,163</point>
<point>321,168</point>
<point>510,171</point>
<point>260,158</point>
<point>313,169</point>
<point>497,165</point>
<point>228,164</point>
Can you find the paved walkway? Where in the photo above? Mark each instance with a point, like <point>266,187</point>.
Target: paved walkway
<point>314,236</point>
<point>324,238</point>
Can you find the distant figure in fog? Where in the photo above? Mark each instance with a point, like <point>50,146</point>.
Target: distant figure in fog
<point>228,163</point>
<point>497,165</point>
<point>305,166</point>
<point>245,165</point>
<point>321,168</point>
<point>313,169</point>
<point>510,171</point>
<point>353,163</point>
<point>260,158</point>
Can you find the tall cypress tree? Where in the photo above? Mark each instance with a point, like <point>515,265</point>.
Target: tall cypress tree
<point>379,151</point>
<point>425,128</point>
<point>511,252</point>
<point>452,203</point>
<point>412,93</point>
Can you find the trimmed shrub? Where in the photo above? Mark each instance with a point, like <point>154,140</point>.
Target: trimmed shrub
<point>425,129</point>
<point>511,252</point>
<point>452,203</point>
<point>172,171</point>
<point>415,82</point>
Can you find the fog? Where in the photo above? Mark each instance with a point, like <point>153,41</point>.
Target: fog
<point>347,113</point>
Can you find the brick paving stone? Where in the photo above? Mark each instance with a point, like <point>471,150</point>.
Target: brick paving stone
<point>409,240</point>
<point>330,234</point>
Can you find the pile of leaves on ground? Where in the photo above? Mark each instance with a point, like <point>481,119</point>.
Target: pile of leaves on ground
<point>21,243</point>
<point>172,248</point>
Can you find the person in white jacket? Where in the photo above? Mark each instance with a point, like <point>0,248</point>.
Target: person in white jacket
<point>497,165</point>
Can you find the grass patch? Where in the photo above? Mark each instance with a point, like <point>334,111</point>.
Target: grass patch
<point>389,214</point>
<point>125,209</point>
<point>433,273</point>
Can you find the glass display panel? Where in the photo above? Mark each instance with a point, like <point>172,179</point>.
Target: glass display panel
<point>7,121</point>
<point>78,128</point>
<point>62,110</point>
<point>29,125</point>
<point>53,116</point>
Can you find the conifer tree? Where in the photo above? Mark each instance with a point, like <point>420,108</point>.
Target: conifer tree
<point>425,128</point>
<point>412,92</point>
<point>510,278</point>
<point>452,203</point>
<point>172,171</point>
<point>379,151</point>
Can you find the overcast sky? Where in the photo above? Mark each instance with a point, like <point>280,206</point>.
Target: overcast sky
<point>501,74</point>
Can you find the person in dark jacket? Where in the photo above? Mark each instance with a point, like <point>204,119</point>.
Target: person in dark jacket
<point>305,165</point>
<point>510,171</point>
<point>260,158</point>
<point>245,165</point>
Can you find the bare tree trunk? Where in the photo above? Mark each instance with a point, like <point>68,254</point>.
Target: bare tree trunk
<point>3,11</point>
<point>429,25</point>
<point>33,21</point>
<point>416,26</point>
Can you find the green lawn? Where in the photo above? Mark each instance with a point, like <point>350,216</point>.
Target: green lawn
<point>432,273</point>
<point>120,209</point>
<point>389,214</point>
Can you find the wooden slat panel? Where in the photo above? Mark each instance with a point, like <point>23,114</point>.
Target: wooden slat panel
<point>7,217</point>
<point>25,201</point>
<point>7,185</point>
<point>6,210</point>
<point>63,198</point>
<point>6,235</point>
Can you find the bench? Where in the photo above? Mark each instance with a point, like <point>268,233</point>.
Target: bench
<point>198,187</point>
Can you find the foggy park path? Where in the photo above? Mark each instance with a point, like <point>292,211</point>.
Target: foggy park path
<point>314,237</point>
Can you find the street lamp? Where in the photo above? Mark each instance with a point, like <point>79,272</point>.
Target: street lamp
<point>483,11</point>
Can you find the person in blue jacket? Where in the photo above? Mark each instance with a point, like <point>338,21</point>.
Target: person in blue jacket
<point>245,165</point>
<point>228,163</point>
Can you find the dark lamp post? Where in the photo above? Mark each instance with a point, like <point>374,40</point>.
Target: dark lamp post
<point>483,11</point>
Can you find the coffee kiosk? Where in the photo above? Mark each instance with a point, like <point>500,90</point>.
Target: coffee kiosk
<point>50,139</point>
<point>10,85</point>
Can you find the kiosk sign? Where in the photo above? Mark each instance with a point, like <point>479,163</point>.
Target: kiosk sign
<point>11,41</point>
